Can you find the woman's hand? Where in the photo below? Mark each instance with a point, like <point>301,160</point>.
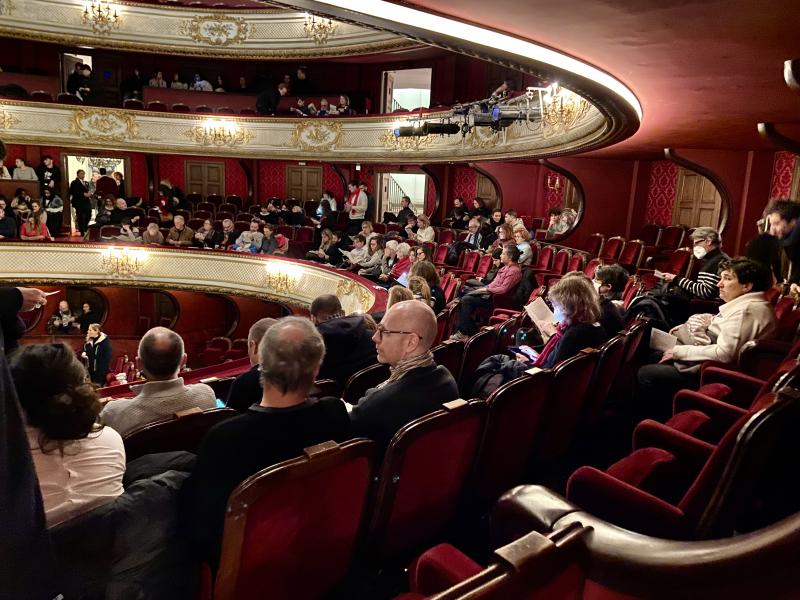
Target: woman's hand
<point>546,327</point>
<point>666,357</point>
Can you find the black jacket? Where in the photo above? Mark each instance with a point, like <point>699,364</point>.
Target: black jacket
<point>99,356</point>
<point>12,325</point>
<point>245,390</point>
<point>8,227</point>
<point>348,348</point>
<point>383,411</point>
<point>576,338</point>
<point>77,189</point>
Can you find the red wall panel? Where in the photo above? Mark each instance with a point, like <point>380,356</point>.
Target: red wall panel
<point>174,168</point>
<point>661,192</point>
<point>782,173</point>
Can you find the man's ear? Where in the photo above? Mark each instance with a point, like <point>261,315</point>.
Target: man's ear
<point>183,362</point>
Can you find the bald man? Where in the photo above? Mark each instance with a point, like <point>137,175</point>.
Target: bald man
<point>160,358</point>
<point>416,387</point>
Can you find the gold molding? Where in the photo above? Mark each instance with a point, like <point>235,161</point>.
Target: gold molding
<point>316,135</point>
<point>200,135</point>
<point>7,120</point>
<point>103,124</point>
<point>405,144</point>
<point>7,7</point>
<point>215,30</point>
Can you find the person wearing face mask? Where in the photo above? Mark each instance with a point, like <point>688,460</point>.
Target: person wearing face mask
<point>609,282</point>
<point>707,249</point>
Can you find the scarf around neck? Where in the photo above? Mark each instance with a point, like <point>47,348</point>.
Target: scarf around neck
<point>408,364</point>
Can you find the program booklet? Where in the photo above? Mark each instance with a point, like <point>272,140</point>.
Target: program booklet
<point>539,311</point>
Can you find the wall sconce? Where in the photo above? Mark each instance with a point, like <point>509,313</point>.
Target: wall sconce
<point>282,278</point>
<point>553,182</point>
<point>219,133</point>
<point>320,30</point>
<point>102,16</point>
<point>122,262</point>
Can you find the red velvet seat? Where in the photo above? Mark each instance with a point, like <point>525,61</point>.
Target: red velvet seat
<point>179,107</point>
<point>631,255</point>
<point>594,244</point>
<point>229,207</point>
<point>360,382</point>
<point>558,268</point>
<point>234,199</point>
<point>109,231</point>
<point>240,226</point>
<point>517,412</point>
<point>286,230</point>
<point>225,110</point>
<point>671,238</point>
<point>591,267</point>
<point>445,236</point>
<point>292,530</point>
<point>203,110</point>
<point>41,96</point>
<point>203,213</point>
<point>440,254</point>
<point>248,112</point>
<point>422,478</point>
<point>468,264</point>
<point>157,106</point>
<point>537,223</point>
<point>443,330</point>
<point>611,249</point>
<point>237,350</point>
<point>195,223</point>
<point>64,98</point>
<point>650,234</point>
<point>448,354</point>
<point>215,199</point>
<point>477,348</point>
<point>133,103</point>
<point>221,215</point>
<point>609,366</point>
<point>244,216</point>
<point>182,432</point>
<point>481,269</point>
<point>183,213</point>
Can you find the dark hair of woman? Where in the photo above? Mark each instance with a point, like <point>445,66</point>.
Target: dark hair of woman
<point>54,392</point>
<point>427,271</point>
<point>747,271</point>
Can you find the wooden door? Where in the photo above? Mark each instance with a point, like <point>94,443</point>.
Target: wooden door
<point>303,183</point>
<point>486,191</point>
<point>697,203</point>
<point>205,178</point>
<point>106,77</point>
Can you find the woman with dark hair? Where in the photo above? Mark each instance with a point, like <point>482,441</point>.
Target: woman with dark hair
<point>79,464</point>
<point>54,207</point>
<point>458,214</point>
<point>97,350</point>
<point>427,271</point>
<point>478,210</point>
<point>610,281</point>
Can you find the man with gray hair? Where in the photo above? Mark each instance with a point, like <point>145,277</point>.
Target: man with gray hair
<point>278,428</point>
<point>706,242</point>
<point>160,358</point>
<point>246,388</point>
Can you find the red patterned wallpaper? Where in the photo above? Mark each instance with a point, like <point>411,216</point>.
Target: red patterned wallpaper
<point>172,168</point>
<point>661,192</point>
<point>465,184</point>
<point>430,196</point>
<point>782,172</point>
<point>552,197</point>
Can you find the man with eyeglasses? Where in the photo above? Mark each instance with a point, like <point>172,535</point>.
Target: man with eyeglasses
<point>416,386</point>
<point>706,248</point>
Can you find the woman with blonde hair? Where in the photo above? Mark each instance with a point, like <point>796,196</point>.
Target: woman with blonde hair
<point>322,254</point>
<point>425,233</point>
<point>522,240</point>
<point>419,287</point>
<point>398,293</point>
<point>576,313</point>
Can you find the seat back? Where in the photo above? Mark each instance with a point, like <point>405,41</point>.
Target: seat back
<point>448,354</point>
<point>633,340</point>
<point>609,365</point>
<point>650,234</point>
<point>445,236</point>
<point>422,477</point>
<point>572,378</point>
<point>133,103</point>
<point>560,262</point>
<point>671,237</point>
<point>184,431</point>
<point>440,254</point>
<point>157,106</point>
<point>478,347</point>
<point>679,261</point>
<point>471,261</point>
<point>360,382</point>
<point>545,258</point>
<point>788,321</point>
<point>612,248</point>
<point>537,222</point>
<point>41,96</point>
<point>293,528</point>
<point>631,254</point>
<point>591,267</point>
<point>179,107</point>
<point>449,288</point>
<point>516,414</point>
<point>231,208</point>
<point>577,262</point>
<point>594,244</point>
<point>484,266</point>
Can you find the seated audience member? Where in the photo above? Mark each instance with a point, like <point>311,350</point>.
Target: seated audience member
<point>63,320</point>
<point>523,240</point>
<point>121,212</point>
<point>576,312</point>
<point>428,272</point>
<point>424,233</point>
<point>505,235</point>
<point>86,318</point>
<point>387,261</point>
<point>23,172</point>
<point>555,225</point>
<point>8,226</point>
<point>569,216</point>
<point>4,174</point>
<point>158,80</point>
<point>38,213</point>
<point>368,231</point>
<point>324,217</point>
<point>410,228</point>
<point>246,388</point>
<point>228,237</point>
<point>325,108</point>
<point>326,243</point>
<point>207,236</point>
<point>338,246</point>
<point>397,293</point>
<point>97,351</point>
<point>458,214</point>
<point>512,219</point>
<point>471,284</point>
<point>21,204</point>
<point>180,235</point>
<point>416,386</point>
<point>128,233</point>
<point>746,315</point>
<point>478,210</point>
<point>401,266</point>
<point>406,211</point>
<point>279,428</point>
<point>79,464</point>
<point>177,84</point>
<point>105,211</point>
<point>268,244</point>
<point>478,300</point>
<point>200,85</point>
<point>348,340</point>
<point>706,248</point>
<point>373,261</point>
<point>34,231</point>
<point>610,281</point>
<point>474,238</point>
<point>358,254</point>
<point>282,244</point>
<point>220,87</point>
<point>329,197</point>
<point>301,109</point>
<point>296,217</point>
<point>420,289</point>
<point>491,228</point>
<point>160,357</point>
<point>343,108</point>
<point>767,249</point>
<point>152,236</point>
<point>249,241</point>
<point>424,253</point>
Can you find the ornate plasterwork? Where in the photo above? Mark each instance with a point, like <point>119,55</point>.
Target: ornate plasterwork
<point>357,139</point>
<point>191,270</point>
<point>7,120</point>
<point>215,30</point>
<point>316,135</point>
<point>103,125</point>
<point>248,34</point>
<point>6,7</point>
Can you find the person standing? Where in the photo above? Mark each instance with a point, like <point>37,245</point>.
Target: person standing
<point>54,207</point>
<point>79,195</point>
<point>97,351</point>
<point>49,174</point>
<point>356,205</point>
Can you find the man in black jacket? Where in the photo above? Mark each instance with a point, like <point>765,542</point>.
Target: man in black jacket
<point>79,195</point>
<point>416,387</point>
<point>348,341</point>
<point>8,226</point>
<point>246,388</point>
<point>782,219</point>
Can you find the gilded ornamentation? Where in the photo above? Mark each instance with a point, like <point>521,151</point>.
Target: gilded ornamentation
<point>6,7</point>
<point>7,120</point>
<point>216,30</point>
<point>346,287</point>
<point>220,134</point>
<point>390,142</point>
<point>316,135</point>
<point>486,137</point>
<point>103,125</point>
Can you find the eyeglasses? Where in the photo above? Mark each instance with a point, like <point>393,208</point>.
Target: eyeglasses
<point>380,332</point>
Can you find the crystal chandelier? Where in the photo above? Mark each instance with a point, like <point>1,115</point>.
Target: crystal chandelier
<point>122,262</point>
<point>320,30</point>
<point>561,108</point>
<point>282,278</point>
<point>102,16</point>
<point>220,133</point>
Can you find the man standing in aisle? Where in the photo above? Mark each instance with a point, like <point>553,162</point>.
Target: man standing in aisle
<point>79,196</point>
<point>356,205</point>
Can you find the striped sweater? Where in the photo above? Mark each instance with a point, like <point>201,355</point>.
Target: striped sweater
<point>707,279</point>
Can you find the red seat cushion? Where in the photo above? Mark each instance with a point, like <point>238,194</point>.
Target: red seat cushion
<point>690,422</point>
<point>719,391</point>
<point>643,468</point>
<point>439,568</point>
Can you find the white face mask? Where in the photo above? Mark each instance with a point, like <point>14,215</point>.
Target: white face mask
<point>699,252</point>
<point>596,285</point>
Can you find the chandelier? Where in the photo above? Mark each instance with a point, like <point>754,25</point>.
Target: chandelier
<point>282,278</point>
<point>219,133</point>
<point>320,30</point>
<point>562,109</point>
<point>102,16</point>
<point>122,262</point>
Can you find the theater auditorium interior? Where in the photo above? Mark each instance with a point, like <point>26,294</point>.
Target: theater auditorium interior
<point>399,300</point>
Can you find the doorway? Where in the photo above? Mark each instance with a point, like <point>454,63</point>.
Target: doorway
<point>396,185</point>
<point>698,202</point>
<point>68,62</point>
<point>303,183</point>
<point>205,177</point>
<point>91,165</point>
<point>406,89</point>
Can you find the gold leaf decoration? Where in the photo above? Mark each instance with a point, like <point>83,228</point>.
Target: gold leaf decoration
<point>7,120</point>
<point>216,30</point>
<point>390,142</point>
<point>103,125</point>
<point>316,135</point>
